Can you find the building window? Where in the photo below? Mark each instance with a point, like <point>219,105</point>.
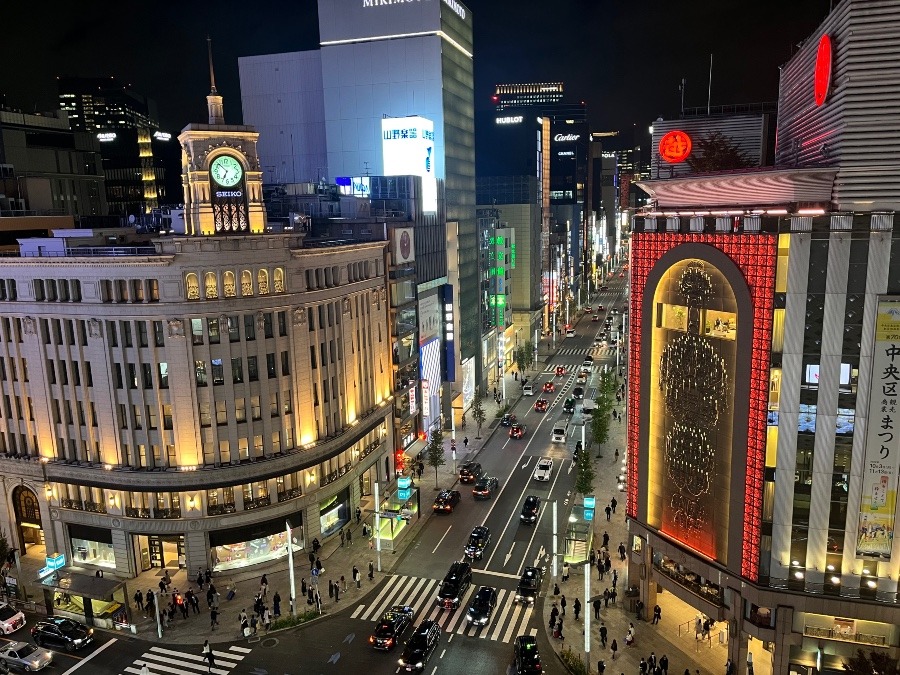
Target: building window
<point>154,290</point>
<point>221,412</point>
<point>285,363</point>
<point>192,286</point>
<point>271,371</point>
<point>200,372</point>
<point>167,416</point>
<point>255,410</point>
<point>143,339</point>
<point>205,419</point>
<point>286,400</point>
<point>246,283</point>
<point>197,331</point>
<point>137,290</point>
<point>278,279</point>
<point>234,329</point>
<point>237,370</point>
<point>212,328</point>
<point>146,375</point>
<point>273,404</point>
<point>211,285</point>
<point>159,335</point>
<point>267,325</point>
<point>240,410</point>
<point>249,327</point>
<point>163,375</point>
<point>218,372</point>
<point>282,324</point>
<point>252,369</point>
<point>229,285</point>
<point>262,282</point>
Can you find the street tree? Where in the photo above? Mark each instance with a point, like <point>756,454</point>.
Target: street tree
<point>434,454</point>
<point>716,152</point>
<point>478,413</point>
<point>872,663</point>
<point>584,480</point>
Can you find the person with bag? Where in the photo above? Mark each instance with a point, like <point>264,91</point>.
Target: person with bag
<point>207,654</point>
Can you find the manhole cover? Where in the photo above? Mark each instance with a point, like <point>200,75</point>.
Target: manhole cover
<point>268,643</point>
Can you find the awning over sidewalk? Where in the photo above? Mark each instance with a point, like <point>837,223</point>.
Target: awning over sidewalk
<point>81,585</point>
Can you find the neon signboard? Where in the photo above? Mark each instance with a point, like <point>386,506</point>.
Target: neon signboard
<point>675,147</point>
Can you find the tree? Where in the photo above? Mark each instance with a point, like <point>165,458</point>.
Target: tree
<point>524,356</point>
<point>600,421</point>
<point>873,663</point>
<point>715,152</point>
<point>584,479</point>
<point>434,453</point>
<point>478,411</point>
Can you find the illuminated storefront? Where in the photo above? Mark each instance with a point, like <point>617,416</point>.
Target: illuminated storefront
<point>239,547</point>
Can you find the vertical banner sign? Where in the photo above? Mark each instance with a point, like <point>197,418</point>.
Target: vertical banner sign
<point>879,492</point>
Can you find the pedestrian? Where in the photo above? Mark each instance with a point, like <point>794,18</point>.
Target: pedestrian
<point>562,604</point>
<point>614,647</point>
<point>244,622</point>
<point>330,589</point>
<point>615,577</point>
<point>698,628</point>
<point>150,603</point>
<point>342,536</point>
<point>167,579</point>
<point>371,571</point>
<point>139,600</point>
<point>213,618</point>
<point>576,608</point>
<point>276,604</point>
<point>605,539</point>
<point>565,571</point>
<point>657,614</point>
<point>608,510</point>
<point>559,629</point>
<point>357,577</point>
<point>613,503</point>
<point>349,537</point>
<point>621,550</point>
<point>593,558</point>
<point>207,576</point>
<point>598,605</point>
<point>200,578</point>
<point>608,565</point>
<point>267,619</point>
<point>603,634</point>
<point>254,624</point>
<point>651,660</point>
<point>605,598</point>
<point>617,454</point>
<point>554,613</point>
<point>466,442</point>
<point>664,664</point>
<point>365,531</point>
<point>337,590</point>
<point>600,568</point>
<point>302,586</point>
<point>343,584</point>
<point>555,589</point>
<point>208,656</point>
<point>195,603</point>
<point>729,667</point>
<point>612,596</point>
<point>264,586</point>
<point>312,560</point>
<point>320,566</point>
<point>145,670</point>
<point>358,515</point>
<point>601,667</point>
<point>162,585</point>
<point>749,663</point>
<point>183,606</point>
<point>642,667</point>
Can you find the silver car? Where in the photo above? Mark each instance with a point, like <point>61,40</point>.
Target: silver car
<point>25,656</point>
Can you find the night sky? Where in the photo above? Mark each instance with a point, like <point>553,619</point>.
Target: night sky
<point>625,59</point>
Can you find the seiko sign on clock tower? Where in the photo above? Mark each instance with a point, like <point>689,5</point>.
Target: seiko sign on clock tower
<point>220,174</point>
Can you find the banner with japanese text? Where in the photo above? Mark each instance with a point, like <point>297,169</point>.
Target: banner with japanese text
<point>878,502</point>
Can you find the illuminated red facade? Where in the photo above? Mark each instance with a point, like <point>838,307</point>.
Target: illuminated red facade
<point>754,255</point>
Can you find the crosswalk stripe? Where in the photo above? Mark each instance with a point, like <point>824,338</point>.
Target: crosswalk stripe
<point>504,599</point>
<point>196,657</point>
<point>356,611</point>
<point>427,593</point>
<point>399,590</point>
<point>514,624</point>
<point>242,650</point>
<point>459,612</point>
<point>158,668</point>
<point>387,587</point>
<point>533,632</point>
<point>413,593</point>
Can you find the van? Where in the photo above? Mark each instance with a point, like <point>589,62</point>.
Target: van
<point>528,390</point>
<point>588,407</point>
<point>558,435</point>
<point>570,332</point>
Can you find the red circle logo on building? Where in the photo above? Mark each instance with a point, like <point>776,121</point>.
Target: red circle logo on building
<point>822,81</point>
<point>405,245</point>
<point>675,147</point>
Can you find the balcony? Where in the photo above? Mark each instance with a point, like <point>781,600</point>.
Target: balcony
<point>220,509</point>
<point>845,635</point>
<point>167,514</point>
<point>74,504</point>
<point>257,502</point>
<point>136,512</point>
<point>95,507</point>
<point>691,581</point>
<point>285,495</point>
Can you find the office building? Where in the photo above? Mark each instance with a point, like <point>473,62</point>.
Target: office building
<point>763,465</point>
<point>322,115</point>
<point>140,161</point>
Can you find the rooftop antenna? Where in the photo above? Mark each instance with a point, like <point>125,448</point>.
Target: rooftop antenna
<point>709,93</point>
<point>681,89</point>
<point>213,101</point>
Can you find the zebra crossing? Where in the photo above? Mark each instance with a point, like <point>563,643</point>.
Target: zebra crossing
<point>508,620</point>
<point>164,661</point>
<point>596,350</point>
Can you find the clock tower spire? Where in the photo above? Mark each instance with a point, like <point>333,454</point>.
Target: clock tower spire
<point>213,101</point>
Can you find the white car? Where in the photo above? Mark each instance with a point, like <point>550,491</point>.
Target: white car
<point>543,469</point>
<point>11,619</point>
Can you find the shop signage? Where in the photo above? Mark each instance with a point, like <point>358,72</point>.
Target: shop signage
<point>106,136</point>
<point>53,562</point>
<point>222,194</point>
<point>875,531</point>
<point>457,8</point>
<point>675,147</point>
<point>515,119</point>
<point>407,146</point>
<point>566,138</point>
<point>822,75</point>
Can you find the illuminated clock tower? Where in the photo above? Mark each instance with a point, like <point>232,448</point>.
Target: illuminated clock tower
<point>220,173</point>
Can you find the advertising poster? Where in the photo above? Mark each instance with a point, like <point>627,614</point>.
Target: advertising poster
<point>879,490</point>
<point>468,382</point>
<point>430,366</point>
<point>408,150</point>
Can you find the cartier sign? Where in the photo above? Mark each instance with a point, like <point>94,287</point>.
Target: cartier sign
<point>566,138</point>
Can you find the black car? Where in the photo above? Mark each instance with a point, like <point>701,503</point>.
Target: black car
<point>578,392</point>
<point>529,585</point>
<point>478,541</point>
<point>61,633</point>
<point>421,646</point>
<point>484,487</point>
<point>508,420</point>
<point>530,509</point>
<point>527,657</point>
<point>391,626</point>
<point>569,406</point>
<point>446,501</point>
<point>454,585</point>
<point>482,606</point>
<point>470,472</point>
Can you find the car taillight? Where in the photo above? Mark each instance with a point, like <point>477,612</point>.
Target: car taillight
<point>371,639</point>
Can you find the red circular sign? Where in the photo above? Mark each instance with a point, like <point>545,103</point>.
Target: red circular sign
<point>405,245</point>
<point>675,147</point>
<point>822,80</point>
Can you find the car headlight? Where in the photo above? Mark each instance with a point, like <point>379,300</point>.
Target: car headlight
<point>78,641</point>
<point>419,664</point>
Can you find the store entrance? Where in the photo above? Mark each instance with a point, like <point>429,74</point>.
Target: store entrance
<point>28,518</point>
<point>162,551</point>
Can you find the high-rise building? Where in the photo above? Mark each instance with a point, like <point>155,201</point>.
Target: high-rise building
<point>140,161</point>
<point>336,113</point>
<point>763,461</point>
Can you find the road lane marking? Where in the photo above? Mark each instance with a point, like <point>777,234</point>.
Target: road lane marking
<point>426,595</point>
<point>509,555</point>
<point>90,656</point>
<point>442,654</point>
<point>537,524</point>
<point>514,624</point>
<point>496,574</point>
<point>441,540</point>
<point>357,611</point>
<point>243,650</point>
<point>387,587</point>
<point>407,597</point>
<point>198,657</point>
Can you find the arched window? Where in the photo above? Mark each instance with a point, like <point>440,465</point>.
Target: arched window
<point>192,286</point>
<point>230,286</point>
<point>279,279</point>
<point>211,285</point>
<point>262,282</point>
<point>246,283</point>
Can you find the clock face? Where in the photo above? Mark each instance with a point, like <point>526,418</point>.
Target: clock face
<point>226,171</point>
